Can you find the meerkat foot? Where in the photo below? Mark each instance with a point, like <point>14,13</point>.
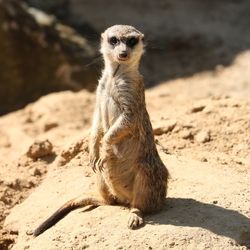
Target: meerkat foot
<point>135,219</point>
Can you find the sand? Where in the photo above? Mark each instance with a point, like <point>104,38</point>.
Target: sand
<point>202,131</point>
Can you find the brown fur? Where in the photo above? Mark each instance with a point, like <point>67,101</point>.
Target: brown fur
<point>122,148</point>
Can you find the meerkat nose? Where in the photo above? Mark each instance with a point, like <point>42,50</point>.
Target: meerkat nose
<point>123,54</point>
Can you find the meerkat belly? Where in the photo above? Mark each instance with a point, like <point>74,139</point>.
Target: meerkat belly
<point>119,172</point>
<point>128,147</point>
<point>119,176</point>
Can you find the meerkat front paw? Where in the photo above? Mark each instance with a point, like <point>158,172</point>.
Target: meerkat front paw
<point>93,158</point>
<point>105,155</point>
<point>100,163</point>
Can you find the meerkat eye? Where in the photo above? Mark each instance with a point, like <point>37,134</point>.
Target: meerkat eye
<point>113,40</point>
<point>131,42</point>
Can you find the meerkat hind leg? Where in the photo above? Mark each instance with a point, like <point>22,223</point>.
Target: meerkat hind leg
<point>104,191</point>
<point>140,202</point>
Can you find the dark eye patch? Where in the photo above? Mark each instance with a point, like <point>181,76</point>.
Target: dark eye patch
<point>132,41</point>
<point>113,40</point>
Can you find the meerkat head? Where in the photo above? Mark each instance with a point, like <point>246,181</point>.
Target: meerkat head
<point>122,44</point>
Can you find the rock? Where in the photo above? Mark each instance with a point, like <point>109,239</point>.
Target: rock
<point>36,172</point>
<point>203,137</point>
<point>197,108</point>
<point>26,183</point>
<point>14,184</point>
<point>203,159</point>
<point>19,184</point>
<point>181,145</point>
<point>68,154</point>
<point>186,134</point>
<point>40,149</point>
<point>238,161</point>
<point>6,242</point>
<point>49,125</point>
<point>172,244</point>
<point>59,7</point>
<point>167,127</point>
<point>158,131</point>
<point>187,125</point>
<point>41,18</point>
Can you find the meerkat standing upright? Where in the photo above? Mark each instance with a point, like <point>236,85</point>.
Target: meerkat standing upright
<point>122,148</point>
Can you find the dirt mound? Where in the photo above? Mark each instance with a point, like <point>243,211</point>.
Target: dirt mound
<point>202,126</point>
<point>26,142</point>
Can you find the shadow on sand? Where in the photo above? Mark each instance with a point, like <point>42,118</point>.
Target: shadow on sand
<point>192,213</point>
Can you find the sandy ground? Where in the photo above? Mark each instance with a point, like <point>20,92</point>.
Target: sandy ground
<point>202,129</point>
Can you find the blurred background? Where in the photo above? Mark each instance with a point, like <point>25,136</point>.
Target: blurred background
<point>197,77</point>
<point>52,45</point>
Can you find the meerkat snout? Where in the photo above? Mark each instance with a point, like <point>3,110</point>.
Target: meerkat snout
<point>123,55</point>
<point>122,45</point>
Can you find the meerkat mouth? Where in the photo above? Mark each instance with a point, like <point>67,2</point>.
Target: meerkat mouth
<point>123,59</point>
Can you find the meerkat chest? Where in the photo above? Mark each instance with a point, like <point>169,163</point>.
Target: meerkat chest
<point>110,106</point>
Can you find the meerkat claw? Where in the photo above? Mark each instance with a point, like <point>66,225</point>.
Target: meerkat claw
<point>135,221</point>
<point>100,164</point>
<point>93,163</point>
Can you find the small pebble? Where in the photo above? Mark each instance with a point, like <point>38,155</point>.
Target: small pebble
<point>48,126</point>
<point>204,159</point>
<point>166,128</point>
<point>197,108</point>
<point>37,172</point>
<point>203,137</point>
<point>40,149</point>
<point>172,244</point>
<point>186,134</point>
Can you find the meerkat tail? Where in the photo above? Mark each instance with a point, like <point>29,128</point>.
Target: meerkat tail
<point>63,211</point>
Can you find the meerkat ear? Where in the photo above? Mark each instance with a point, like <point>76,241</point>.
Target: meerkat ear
<point>142,37</point>
<point>102,37</point>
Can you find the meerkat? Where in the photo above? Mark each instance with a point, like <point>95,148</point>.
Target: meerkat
<point>122,149</point>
